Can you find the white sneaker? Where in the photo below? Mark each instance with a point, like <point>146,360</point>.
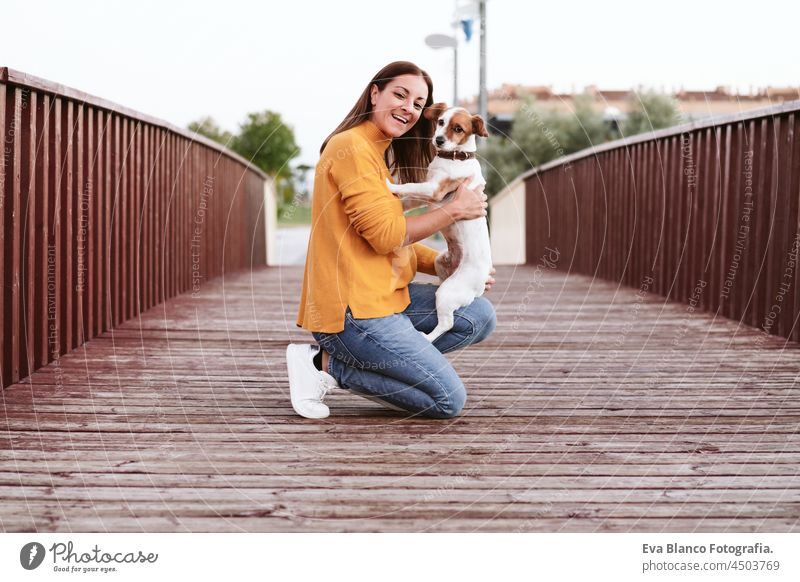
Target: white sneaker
<point>307,385</point>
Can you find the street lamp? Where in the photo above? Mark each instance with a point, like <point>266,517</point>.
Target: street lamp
<point>483,108</point>
<point>468,10</point>
<point>438,41</point>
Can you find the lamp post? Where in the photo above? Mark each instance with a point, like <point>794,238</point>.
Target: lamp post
<point>437,41</point>
<point>482,101</point>
<point>467,11</point>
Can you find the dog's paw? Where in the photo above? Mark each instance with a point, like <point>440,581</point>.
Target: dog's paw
<point>394,188</point>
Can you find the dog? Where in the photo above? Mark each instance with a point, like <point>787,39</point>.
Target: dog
<point>468,249</point>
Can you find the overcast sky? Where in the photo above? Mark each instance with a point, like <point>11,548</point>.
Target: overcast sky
<point>309,61</point>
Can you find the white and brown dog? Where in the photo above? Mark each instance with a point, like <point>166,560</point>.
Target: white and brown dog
<point>468,247</point>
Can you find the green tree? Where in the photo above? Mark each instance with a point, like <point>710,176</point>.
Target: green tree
<point>208,127</point>
<point>502,161</point>
<point>538,136</point>
<point>648,111</point>
<point>285,190</point>
<point>301,178</point>
<point>269,143</point>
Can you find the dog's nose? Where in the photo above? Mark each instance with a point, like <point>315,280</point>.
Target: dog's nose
<point>440,141</point>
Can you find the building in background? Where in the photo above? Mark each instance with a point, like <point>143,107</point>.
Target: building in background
<point>693,105</point>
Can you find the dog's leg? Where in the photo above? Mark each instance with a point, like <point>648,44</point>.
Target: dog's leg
<point>421,190</point>
<point>446,263</point>
<point>449,296</point>
<point>446,186</point>
<point>441,270</point>
<point>428,191</point>
<point>446,321</point>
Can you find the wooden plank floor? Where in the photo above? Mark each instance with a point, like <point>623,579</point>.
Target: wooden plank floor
<point>591,408</point>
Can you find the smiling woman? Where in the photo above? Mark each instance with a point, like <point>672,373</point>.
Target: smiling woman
<point>358,299</point>
<point>403,89</point>
<point>396,108</point>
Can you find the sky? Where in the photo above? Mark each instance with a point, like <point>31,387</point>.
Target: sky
<point>309,61</point>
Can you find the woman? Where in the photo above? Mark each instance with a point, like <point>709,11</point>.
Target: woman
<point>357,297</point>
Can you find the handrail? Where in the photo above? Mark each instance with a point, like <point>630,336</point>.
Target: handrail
<point>20,79</point>
<point>106,212</point>
<point>705,213</point>
<point>717,120</point>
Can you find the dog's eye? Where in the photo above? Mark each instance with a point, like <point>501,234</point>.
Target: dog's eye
<point>457,129</point>
<point>441,122</point>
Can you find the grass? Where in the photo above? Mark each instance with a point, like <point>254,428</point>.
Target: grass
<point>290,215</point>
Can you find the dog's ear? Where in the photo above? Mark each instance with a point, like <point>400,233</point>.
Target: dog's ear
<point>435,111</point>
<point>478,127</point>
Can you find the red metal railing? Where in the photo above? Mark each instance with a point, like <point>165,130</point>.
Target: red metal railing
<point>705,214</point>
<point>105,213</point>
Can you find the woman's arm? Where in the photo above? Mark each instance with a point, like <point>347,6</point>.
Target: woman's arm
<point>466,204</point>
<point>372,210</point>
<point>424,225</point>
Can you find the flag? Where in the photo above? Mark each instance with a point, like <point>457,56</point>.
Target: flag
<point>467,26</point>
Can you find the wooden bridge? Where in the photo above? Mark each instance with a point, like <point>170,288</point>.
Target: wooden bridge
<point>602,402</point>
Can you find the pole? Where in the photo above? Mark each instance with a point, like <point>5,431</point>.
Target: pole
<point>455,75</point>
<point>482,106</point>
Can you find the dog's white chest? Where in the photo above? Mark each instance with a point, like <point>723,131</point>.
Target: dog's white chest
<point>441,168</point>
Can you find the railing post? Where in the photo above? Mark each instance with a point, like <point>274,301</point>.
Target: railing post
<point>706,213</point>
<point>91,217</point>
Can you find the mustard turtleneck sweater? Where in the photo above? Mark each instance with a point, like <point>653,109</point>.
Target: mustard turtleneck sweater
<point>355,254</point>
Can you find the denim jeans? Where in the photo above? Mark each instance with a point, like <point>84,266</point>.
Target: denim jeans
<point>387,359</point>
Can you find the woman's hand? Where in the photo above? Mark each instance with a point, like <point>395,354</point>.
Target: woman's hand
<point>467,203</point>
<point>490,281</point>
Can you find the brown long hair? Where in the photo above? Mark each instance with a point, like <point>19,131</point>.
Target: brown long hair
<point>408,156</point>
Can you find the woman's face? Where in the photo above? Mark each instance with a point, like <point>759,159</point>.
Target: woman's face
<point>397,108</point>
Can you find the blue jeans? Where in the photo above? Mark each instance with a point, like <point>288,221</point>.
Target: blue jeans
<point>388,360</point>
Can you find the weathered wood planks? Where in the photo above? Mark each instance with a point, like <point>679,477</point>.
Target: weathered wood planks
<point>590,409</point>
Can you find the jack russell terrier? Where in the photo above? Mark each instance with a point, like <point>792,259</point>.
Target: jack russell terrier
<point>467,240</point>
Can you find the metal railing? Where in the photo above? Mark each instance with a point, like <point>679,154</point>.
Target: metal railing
<point>704,213</point>
<point>105,213</point>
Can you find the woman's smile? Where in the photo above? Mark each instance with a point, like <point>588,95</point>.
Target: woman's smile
<point>401,119</point>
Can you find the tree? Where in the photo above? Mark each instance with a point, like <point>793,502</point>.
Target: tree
<point>538,136</point>
<point>301,176</point>
<point>208,127</point>
<point>266,141</point>
<point>502,161</point>
<point>648,111</point>
<point>285,191</point>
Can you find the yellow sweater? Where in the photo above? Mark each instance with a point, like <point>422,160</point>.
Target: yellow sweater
<point>355,255</point>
